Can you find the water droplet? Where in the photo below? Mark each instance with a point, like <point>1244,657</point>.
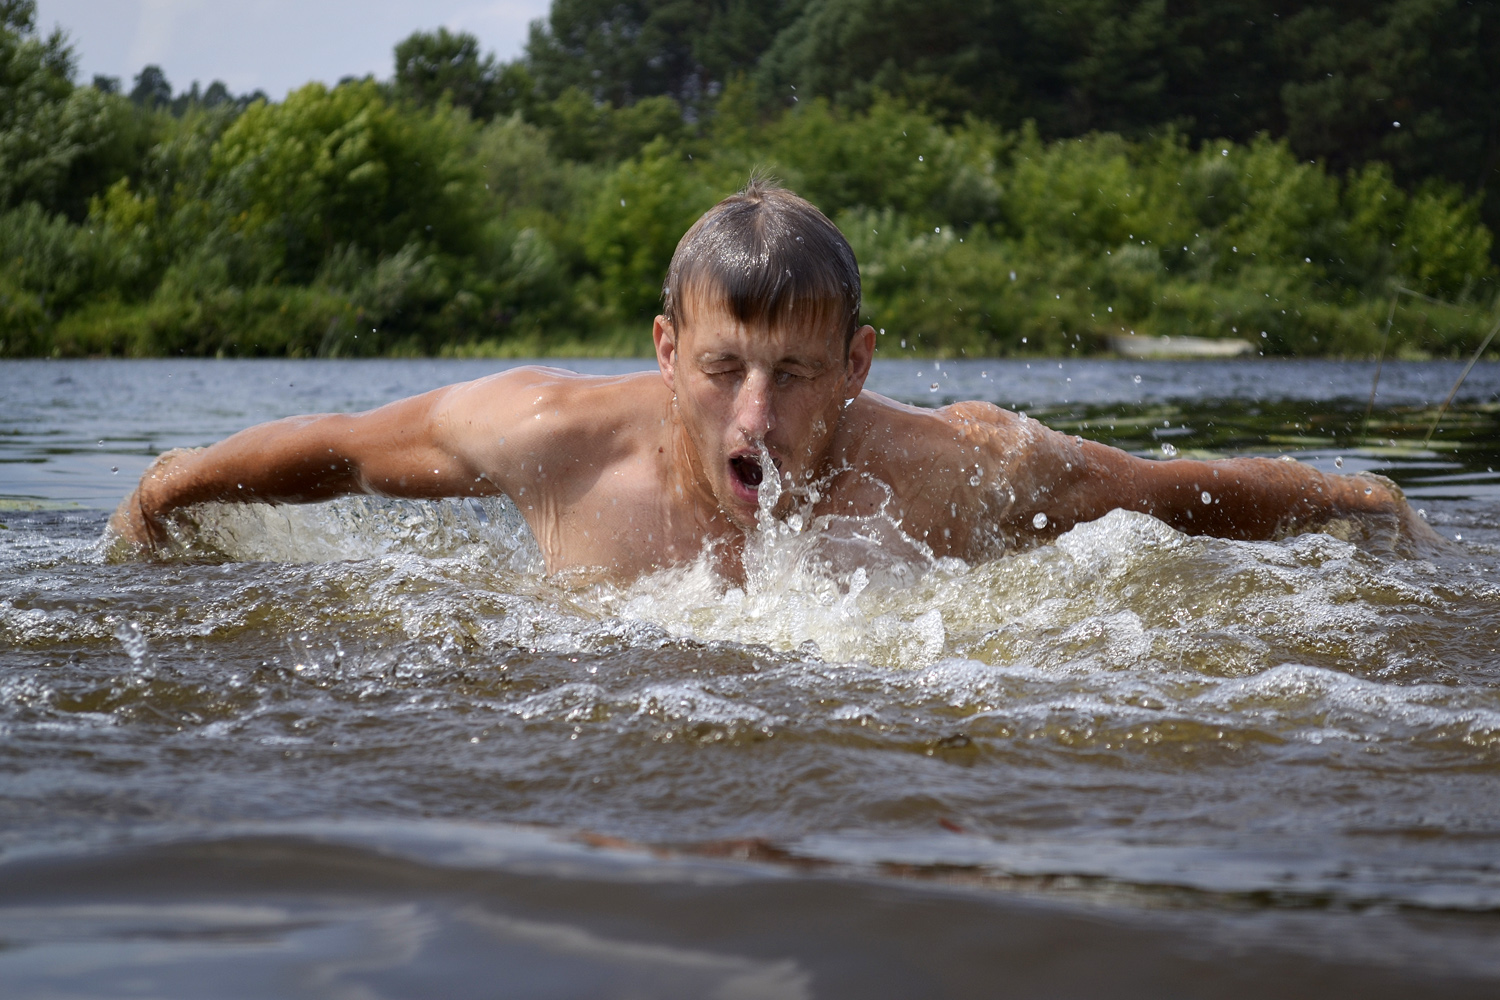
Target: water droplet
<point>1338,463</point>
<point>933,387</point>
<point>101,442</point>
<point>1136,379</point>
<point>1040,521</point>
<point>114,469</point>
<point>134,641</point>
<point>1206,497</point>
<point>1169,451</point>
<point>974,480</point>
<point>1368,491</point>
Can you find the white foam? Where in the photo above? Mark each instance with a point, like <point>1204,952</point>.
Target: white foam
<point>1122,623</point>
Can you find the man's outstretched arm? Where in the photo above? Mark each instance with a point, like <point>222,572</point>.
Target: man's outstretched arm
<point>1072,480</point>
<point>1247,498</point>
<point>426,446</point>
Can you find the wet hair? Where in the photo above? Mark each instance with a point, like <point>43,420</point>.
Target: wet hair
<point>770,258</point>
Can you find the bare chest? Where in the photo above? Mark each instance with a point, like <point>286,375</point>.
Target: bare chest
<point>624,522</point>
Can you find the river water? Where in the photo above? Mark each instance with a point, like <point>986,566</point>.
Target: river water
<point>369,748</point>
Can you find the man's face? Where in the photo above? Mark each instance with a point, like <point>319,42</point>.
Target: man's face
<point>738,388</point>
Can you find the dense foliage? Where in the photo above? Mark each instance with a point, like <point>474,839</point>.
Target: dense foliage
<point>467,206</point>
<point>1408,82</point>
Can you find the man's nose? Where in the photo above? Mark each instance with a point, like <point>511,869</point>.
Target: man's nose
<point>754,412</point>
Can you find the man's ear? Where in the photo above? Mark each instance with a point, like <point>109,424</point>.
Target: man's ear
<point>665,338</point>
<point>861,355</point>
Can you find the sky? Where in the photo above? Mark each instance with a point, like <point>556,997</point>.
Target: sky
<point>270,45</point>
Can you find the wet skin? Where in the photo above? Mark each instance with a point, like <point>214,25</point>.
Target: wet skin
<point>622,475</point>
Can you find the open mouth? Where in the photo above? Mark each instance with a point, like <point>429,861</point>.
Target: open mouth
<point>747,470</point>
<point>746,475</point>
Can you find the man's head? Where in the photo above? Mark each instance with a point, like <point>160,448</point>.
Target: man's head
<point>760,341</point>
<point>770,259</point>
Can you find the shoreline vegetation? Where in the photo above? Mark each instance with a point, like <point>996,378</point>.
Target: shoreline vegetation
<point>465,208</point>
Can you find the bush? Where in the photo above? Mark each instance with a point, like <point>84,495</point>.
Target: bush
<point>327,168</point>
<point>340,223</point>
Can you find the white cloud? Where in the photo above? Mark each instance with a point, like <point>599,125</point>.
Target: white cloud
<point>154,29</point>
<point>498,19</point>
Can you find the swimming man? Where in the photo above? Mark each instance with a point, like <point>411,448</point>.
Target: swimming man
<point>762,364</point>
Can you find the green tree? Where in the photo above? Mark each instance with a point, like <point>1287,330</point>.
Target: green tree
<point>954,56</point>
<point>588,130</point>
<point>59,144</point>
<point>889,156</point>
<point>151,90</point>
<point>1070,65</point>
<point>619,52</point>
<point>1409,82</point>
<point>328,168</point>
<point>639,214</point>
<point>433,65</point>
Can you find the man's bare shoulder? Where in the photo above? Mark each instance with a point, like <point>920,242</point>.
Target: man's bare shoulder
<point>546,407</point>
<point>883,431</point>
<point>537,387</point>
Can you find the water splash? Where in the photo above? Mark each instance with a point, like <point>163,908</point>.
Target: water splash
<point>136,647</point>
<point>768,495</point>
<point>489,529</point>
<point>1125,672</point>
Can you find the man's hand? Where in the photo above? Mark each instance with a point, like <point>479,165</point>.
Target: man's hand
<point>138,521</point>
<point>1412,536</point>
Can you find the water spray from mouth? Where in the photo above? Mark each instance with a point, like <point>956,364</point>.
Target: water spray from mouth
<point>768,491</point>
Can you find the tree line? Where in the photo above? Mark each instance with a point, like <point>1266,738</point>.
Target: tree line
<point>1015,176</point>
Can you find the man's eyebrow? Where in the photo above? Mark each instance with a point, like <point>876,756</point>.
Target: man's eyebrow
<point>711,357</point>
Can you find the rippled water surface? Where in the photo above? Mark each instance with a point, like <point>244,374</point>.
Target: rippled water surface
<point>1286,745</point>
